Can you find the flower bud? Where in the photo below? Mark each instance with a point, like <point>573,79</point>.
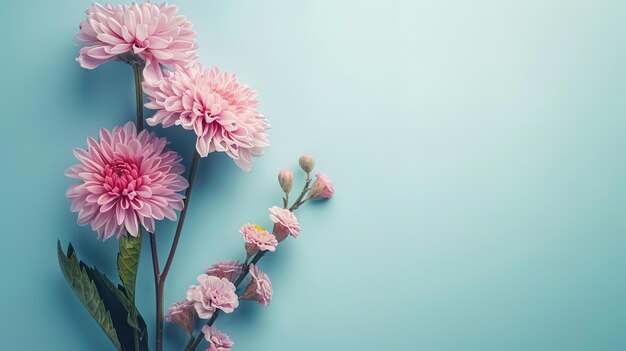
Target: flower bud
<point>322,188</point>
<point>285,179</point>
<point>307,162</point>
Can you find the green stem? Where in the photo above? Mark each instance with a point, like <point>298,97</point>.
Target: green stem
<point>133,312</point>
<point>305,189</point>
<point>179,228</point>
<point>159,299</point>
<point>138,96</point>
<point>139,99</point>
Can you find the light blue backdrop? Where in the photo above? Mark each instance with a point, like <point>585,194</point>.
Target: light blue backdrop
<point>477,148</point>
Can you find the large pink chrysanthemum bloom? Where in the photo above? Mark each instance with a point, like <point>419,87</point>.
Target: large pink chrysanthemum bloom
<point>211,294</point>
<point>127,179</point>
<point>144,33</point>
<point>219,341</point>
<point>257,239</point>
<point>183,314</point>
<point>285,223</point>
<point>225,269</point>
<point>259,288</point>
<point>215,106</point>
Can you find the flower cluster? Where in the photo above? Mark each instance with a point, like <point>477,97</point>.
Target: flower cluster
<point>128,179</point>
<point>217,282</point>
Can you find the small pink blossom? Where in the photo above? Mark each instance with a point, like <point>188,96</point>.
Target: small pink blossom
<point>221,111</point>
<point>259,288</point>
<point>219,341</point>
<point>322,188</point>
<point>285,223</point>
<point>211,294</point>
<point>257,239</point>
<point>145,33</point>
<point>226,269</point>
<point>127,179</point>
<point>183,314</point>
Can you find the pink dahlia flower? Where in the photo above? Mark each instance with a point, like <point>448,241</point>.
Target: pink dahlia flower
<point>127,179</point>
<point>211,294</point>
<point>142,33</point>
<point>257,238</point>
<point>215,106</point>
<point>285,223</point>
<point>219,341</point>
<point>322,188</point>
<point>226,269</point>
<point>260,287</point>
<point>183,314</point>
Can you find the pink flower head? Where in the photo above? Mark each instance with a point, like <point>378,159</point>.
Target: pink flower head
<point>215,106</point>
<point>257,238</point>
<point>126,179</point>
<point>183,314</point>
<point>322,188</point>
<point>285,223</point>
<point>143,33</point>
<point>226,269</point>
<point>260,287</point>
<point>211,294</point>
<point>219,341</point>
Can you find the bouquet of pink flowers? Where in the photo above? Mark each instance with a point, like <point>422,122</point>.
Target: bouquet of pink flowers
<point>127,178</point>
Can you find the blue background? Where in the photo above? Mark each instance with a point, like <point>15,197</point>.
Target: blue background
<point>476,148</point>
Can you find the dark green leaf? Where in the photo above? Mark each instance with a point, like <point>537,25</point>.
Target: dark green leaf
<point>117,302</point>
<point>118,305</point>
<point>87,293</point>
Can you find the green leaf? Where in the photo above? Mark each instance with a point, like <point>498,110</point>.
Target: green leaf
<point>127,265</point>
<point>115,299</point>
<point>87,293</point>
<point>118,292</point>
<point>128,262</point>
<point>118,306</point>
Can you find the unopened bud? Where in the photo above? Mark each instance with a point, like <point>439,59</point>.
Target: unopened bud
<point>307,162</point>
<point>322,188</point>
<point>285,179</point>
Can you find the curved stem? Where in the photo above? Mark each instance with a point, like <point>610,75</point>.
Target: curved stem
<point>305,189</point>
<point>159,299</point>
<point>139,99</point>
<point>179,228</point>
<point>138,96</point>
<point>183,214</point>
